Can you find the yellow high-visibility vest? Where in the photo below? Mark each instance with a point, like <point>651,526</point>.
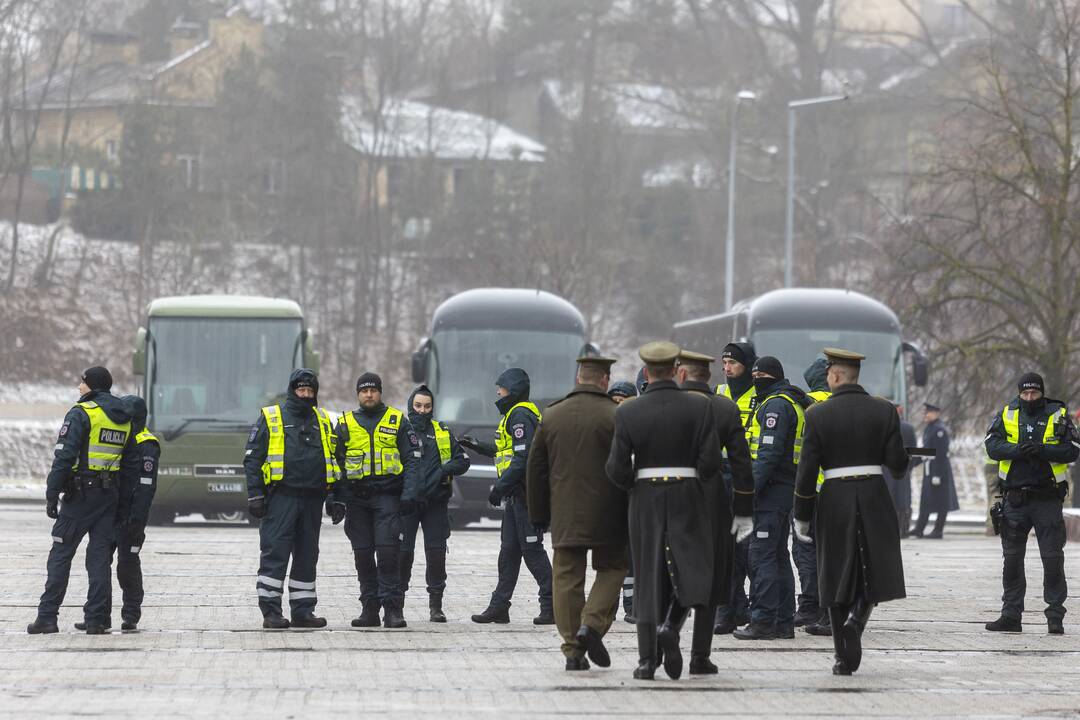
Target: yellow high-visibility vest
<point>504,444</point>
<point>1011,419</point>
<point>755,427</point>
<point>367,457</point>
<point>273,469</point>
<point>105,443</point>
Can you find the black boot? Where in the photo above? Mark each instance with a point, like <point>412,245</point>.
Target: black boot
<point>308,620</point>
<point>369,616</point>
<point>42,627</point>
<point>667,639</point>
<point>546,617</point>
<point>1005,624</point>
<point>393,617</point>
<point>837,616</point>
<point>435,608</point>
<point>701,642</point>
<point>646,640</point>
<point>81,626</point>
<point>275,621</point>
<point>854,627</point>
<point>590,641</point>
<point>499,616</point>
<point>821,628</point>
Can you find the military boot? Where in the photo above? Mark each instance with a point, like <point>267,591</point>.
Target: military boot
<point>1005,624</point>
<point>701,643</point>
<point>42,627</point>
<point>646,637</point>
<point>1055,626</point>
<point>275,621</point>
<point>546,617</point>
<point>667,639</point>
<point>837,616</point>
<point>393,617</point>
<point>853,630</point>
<point>369,616</point>
<point>499,616</point>
<point>81,626</point>
<point>435,608</point>
<point>308,620</point>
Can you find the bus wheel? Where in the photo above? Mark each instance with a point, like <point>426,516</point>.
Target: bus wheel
<point>234,516</point>
<point>161,516</point>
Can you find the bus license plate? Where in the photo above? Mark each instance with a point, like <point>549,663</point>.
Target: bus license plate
<point>217,487</point>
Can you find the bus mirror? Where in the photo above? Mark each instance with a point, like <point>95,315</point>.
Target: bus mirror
<point>419,365</point>
<point>312,357</point>
<point>138,356</point>
<point>920,365</point>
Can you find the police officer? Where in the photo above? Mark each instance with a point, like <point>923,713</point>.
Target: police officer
<point>1033,440</point>
<point>290,467</point>
<point>730,499</point>
<point>519,538</point>
<point>938,489</point>
<point>900,485</point>
<point>620,392</point>
<point>90,450</point>
<point>775,443</point>
<point>809,615</point>
<point>138,482</point>
<point>425,503</point>
<point>377,452</point>
<point>851,438</point>
<point>738,386</point>
<point>665,448</point>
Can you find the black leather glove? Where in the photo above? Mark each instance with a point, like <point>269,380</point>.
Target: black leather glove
<point>540,528</point>
<point>495,497</point>
<point>52,507</point>
<point>257,507</point>
<point>469,441</point>
<point>1030,449</point>
<point>408,507</point>
<point>336,511</point>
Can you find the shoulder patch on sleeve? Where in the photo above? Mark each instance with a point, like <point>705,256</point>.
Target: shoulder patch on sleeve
<point>254,432</point>
<point>65,427</point>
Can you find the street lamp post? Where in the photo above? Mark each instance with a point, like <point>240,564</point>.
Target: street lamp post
<point>789,211</point>
<point>729,248</point>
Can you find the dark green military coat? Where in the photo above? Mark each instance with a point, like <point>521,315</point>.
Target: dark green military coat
<point>565,479</point>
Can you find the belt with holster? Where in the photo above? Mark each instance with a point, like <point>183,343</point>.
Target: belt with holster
<point>103,480</point>
<point>1018,497</point>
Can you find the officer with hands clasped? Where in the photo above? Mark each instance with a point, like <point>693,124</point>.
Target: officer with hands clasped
<point>92,446</point>
<point>290,467</point>
<point>1033,440</point>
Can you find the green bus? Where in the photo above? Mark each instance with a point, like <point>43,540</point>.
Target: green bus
<point>207,364</point>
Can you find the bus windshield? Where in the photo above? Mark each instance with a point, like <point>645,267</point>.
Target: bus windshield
<point>465,364</point>
<point>217,372</point>
<point>882,371</point>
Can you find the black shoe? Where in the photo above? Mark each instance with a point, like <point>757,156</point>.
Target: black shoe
<point>308,621</point>
<point>97,629</point>
<point>369,617</point>
<point>435,610</point>
<point>840,668</point>
<point>594,645</point>
<point>629,617</point>
<point>393,618</point>
<point>915,534</point>
<point>577,663</point>
<point>724,628</point>
<point>702,665</point>
<point>275,621</point>
<point>499,616</point>
<point>756,632</point>
<point>667,638</point>
<point>785,632</point>
<point>546,617</point>
<point>821,628</point>
<point>646,670</point>
<point>806,616</point>
<point>1005,624</point>
<point>81,626</point>
<point>742,618</point>
<point>936,535</point>
<point>1055,627</point>
<point>851,642</point>
<point>42,627</point>
<point>129,625</point>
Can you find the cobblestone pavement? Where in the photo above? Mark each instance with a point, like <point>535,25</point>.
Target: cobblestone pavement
<point>201,650</point>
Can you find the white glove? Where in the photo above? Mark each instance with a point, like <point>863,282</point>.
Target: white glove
<point>802,531</point>
<point>741,527</point>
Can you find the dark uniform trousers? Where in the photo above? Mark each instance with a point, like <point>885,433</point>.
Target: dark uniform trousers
<point>434,518</point>
<point>129,573</point>
<point>738,604</point>
<point>291,526</point>
<point>520,540</point>
<point>373,526</point>
<point>805,557</point>
<point>571,608</point>
<point>773,581</point>
<point>1044,514</point>
<point>93,513</point>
